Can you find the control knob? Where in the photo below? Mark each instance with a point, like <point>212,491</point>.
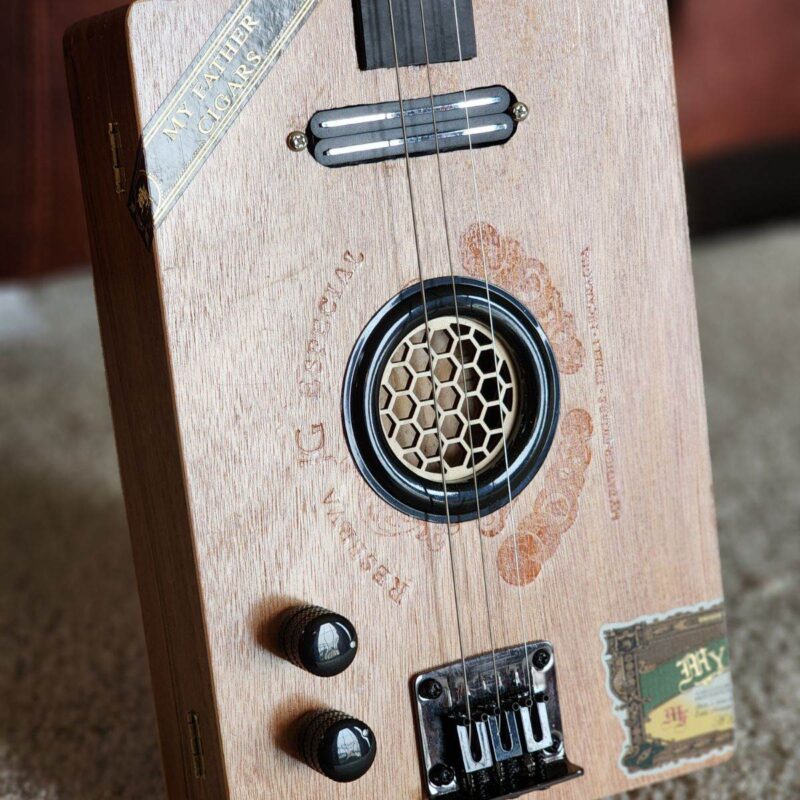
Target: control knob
<point>337,745</point>
<point>318,640</point>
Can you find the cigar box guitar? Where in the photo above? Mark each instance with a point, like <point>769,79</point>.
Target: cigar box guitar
<point>399,326</point>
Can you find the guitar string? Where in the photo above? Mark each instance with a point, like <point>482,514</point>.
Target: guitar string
<point>464,370</point>
<point>414,218</point>
<point>479,216</point>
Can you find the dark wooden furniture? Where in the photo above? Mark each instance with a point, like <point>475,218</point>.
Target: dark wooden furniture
<point>738,70</point>
<point>42,227</point>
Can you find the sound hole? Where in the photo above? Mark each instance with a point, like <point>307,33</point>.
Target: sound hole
<point>476,398</point>
<point>497,399</point>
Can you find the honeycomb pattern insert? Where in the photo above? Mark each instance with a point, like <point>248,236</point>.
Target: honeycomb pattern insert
<point>476,391</point>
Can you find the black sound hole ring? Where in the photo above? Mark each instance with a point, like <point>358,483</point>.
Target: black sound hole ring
<point>538,388</point>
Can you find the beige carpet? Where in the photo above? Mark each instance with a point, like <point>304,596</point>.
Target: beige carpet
<point>76,721</point>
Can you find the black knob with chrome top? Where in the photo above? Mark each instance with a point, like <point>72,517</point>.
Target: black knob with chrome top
<point>339,746</point>
<point>320,641</point>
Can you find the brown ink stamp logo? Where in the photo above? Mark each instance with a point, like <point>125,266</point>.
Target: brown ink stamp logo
<point>509,265</point>
<point>539,534</point>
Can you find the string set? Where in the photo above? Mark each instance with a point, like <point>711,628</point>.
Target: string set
<point>430,351</point>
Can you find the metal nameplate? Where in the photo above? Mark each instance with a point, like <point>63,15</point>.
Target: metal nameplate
<point>209,97</point>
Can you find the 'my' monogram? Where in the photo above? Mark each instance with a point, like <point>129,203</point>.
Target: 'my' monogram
<point>700,665</point>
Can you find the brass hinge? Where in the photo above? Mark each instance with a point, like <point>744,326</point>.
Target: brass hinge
<point>196,746</point>
<point>115,140</point>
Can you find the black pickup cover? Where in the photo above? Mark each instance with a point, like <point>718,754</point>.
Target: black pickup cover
<point>363,134</point>
<point>374,32</point>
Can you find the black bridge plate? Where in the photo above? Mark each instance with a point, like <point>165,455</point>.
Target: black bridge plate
<point>374,32</point>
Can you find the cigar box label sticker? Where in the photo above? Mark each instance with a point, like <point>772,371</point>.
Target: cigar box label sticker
<point>670,679</point>
<point>207,100</point>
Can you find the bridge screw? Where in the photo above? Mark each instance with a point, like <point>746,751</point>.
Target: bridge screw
<point>541,658</point>
<point>442,775</point>
<point>558,742</point>
<point>430,690</point>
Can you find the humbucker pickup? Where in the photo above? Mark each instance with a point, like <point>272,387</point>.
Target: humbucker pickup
<point>365,134</point>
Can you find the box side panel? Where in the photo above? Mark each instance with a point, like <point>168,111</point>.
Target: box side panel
<point>140,387</point>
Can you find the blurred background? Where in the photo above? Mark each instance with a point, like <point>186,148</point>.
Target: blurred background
<point>76,719</point>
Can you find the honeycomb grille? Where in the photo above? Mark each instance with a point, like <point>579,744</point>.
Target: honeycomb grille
<point>476,394</point>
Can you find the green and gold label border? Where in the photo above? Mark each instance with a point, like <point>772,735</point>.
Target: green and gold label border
<point>689,645</point>
<point>207,100</point>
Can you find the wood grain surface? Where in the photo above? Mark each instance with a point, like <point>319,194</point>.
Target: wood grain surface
<point>227,347</point>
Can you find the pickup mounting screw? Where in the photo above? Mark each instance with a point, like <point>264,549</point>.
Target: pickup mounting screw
<point>541,658</point>
<point>520,112</point>
<point>431,690</point>
<point>442,775</point>
<point>297,141</point>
